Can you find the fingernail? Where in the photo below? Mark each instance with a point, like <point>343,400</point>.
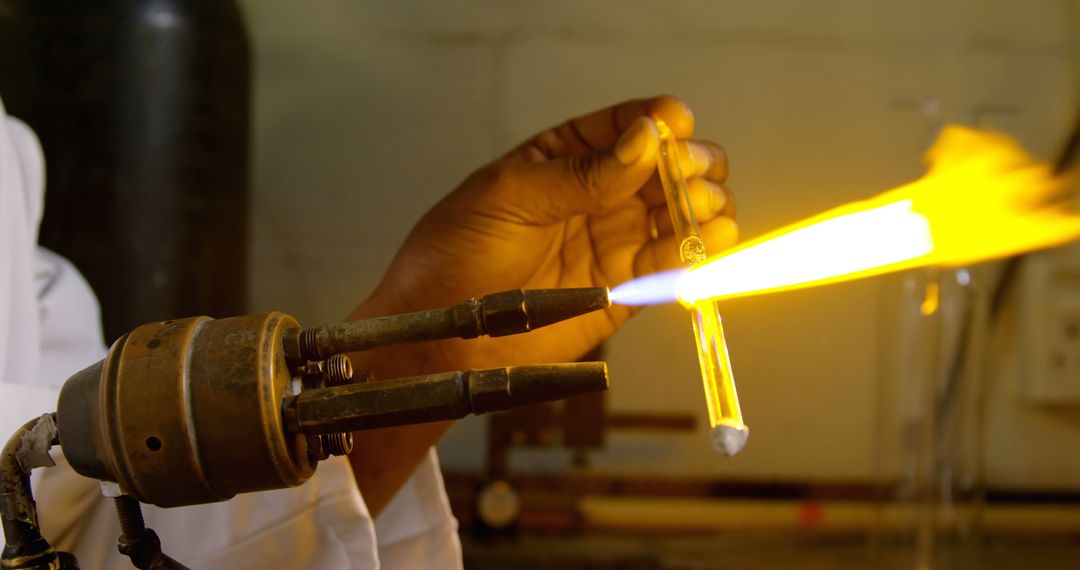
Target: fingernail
<point>633,142</point>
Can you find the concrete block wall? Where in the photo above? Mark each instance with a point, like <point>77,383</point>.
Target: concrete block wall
<point>367,112</point>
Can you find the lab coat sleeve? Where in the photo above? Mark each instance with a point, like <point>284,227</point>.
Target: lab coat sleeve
<point>417,530</point>
<point>18,227</point>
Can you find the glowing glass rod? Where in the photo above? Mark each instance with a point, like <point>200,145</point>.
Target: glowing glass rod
<point>728,432</point>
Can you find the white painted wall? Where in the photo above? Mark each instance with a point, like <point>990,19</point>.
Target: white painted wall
<point>367,112</point>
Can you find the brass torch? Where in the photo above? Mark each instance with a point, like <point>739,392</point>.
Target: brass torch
<point>197,410</point>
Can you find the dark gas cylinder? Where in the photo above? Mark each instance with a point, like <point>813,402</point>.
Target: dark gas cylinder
<point>143,110</point>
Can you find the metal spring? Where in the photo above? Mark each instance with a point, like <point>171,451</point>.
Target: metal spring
<point>340,443</point>
<point>309,344</point>
<point>338,369</point>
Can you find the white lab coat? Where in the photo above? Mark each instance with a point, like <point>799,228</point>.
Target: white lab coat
<point>49,329</point>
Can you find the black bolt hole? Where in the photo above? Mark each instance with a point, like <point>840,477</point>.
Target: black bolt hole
<point>153,443</point>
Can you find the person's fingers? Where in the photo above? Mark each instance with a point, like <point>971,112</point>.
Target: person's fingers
<point>674,112</point>
<point>719,234</point>
<point>550,191</point>
<point>707,200</point>
<point>656,256</point>
<point>721,200</point>
<point>600,129</point>
<point>699,158</point>
<point>729,208</point>
<point>652,193</point>
<point>705,159</point>
<point>662,254</point>
<point>559,142</point>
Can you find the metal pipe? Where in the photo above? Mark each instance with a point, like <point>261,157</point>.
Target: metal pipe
<point>434,397</point>
<point>462,321</point>
<point>497,314</point>
<point>24,547</point>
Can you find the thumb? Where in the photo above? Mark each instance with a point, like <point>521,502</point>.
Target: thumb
<point>564,187</point>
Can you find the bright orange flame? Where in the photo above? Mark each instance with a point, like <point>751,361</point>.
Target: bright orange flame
<point>983,198</point>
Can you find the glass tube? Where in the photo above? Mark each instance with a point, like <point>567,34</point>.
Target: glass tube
<point>691,248</point>
<point>728,433</point>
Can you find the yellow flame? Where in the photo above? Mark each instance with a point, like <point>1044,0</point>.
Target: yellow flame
<point>982,198</point>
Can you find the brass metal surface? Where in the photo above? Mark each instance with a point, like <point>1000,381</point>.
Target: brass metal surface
<point>197,410</point>
<point>186,412</point>
<point>435,397</point>
<point>498,314</point>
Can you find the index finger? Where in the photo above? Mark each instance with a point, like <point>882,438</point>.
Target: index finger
<point>600,129</point>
